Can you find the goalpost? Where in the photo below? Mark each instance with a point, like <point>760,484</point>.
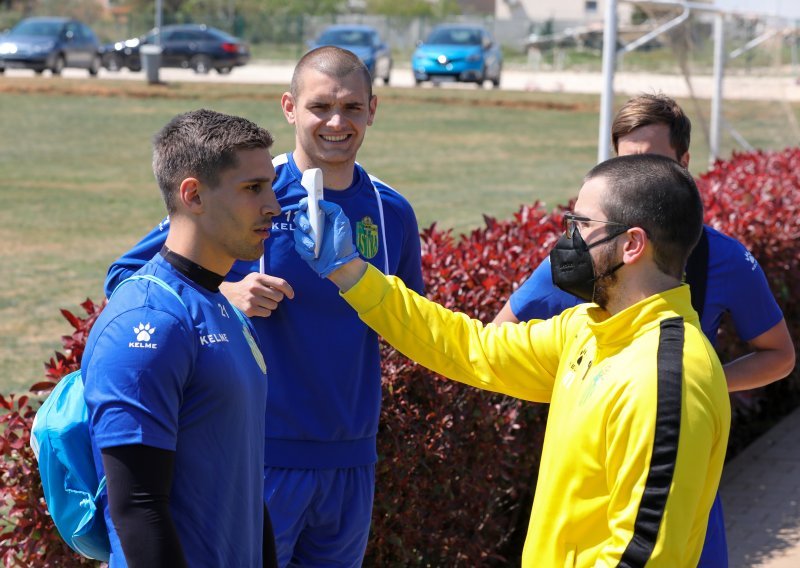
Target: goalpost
<point>720,9</point>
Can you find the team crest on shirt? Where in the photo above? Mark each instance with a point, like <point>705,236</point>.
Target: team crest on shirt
<point>367,237</point>
<point>144,337</point>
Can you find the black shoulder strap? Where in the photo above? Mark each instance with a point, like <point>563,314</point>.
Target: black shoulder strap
<point>697,273</point>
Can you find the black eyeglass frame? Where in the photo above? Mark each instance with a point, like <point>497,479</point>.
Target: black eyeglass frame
<point>570,220</point>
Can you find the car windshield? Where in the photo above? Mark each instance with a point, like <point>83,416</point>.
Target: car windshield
<point>455,36</point>
<point>345,37</point>
<point>36,28</point>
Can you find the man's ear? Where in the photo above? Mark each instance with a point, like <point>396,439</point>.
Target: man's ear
<point>190,195</point>
<point>635,246</point>
<point>373,107</point>
<point>684,160</point>
<point>288,104</point>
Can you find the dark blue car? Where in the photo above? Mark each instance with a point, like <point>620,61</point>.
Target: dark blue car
<point>456,52</point>
<point>191,46</point>
<point>365,42</point>
<point>50,43</point>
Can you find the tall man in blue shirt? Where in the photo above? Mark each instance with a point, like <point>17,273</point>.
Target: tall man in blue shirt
<point>176,385</point>
<point>723,275</point>
<point>325,384</point>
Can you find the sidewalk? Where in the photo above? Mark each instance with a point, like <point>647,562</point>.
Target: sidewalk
<point>760,492</point>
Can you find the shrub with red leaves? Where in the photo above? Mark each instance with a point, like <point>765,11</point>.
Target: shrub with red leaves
<point>30,538</point>
<point>458,465</point>
<point>755,197</point>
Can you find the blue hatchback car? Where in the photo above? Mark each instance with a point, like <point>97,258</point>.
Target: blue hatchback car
<point>456,52</point>
<point>365,42</point>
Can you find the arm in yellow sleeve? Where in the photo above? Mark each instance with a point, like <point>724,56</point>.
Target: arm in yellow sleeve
<point>518,360</point>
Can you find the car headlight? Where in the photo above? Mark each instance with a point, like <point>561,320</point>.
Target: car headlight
<point>474,57</point>
<point>7,48</point>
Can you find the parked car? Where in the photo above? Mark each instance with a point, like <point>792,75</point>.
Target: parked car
<point>192,46</point>
<point>50,43</point>
<point>455,52</point>
<point>365,42</point>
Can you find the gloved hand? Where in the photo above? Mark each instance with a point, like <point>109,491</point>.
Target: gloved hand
<point>337,247</point>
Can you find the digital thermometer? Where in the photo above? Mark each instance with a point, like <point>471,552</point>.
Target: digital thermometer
<point>312,181</point>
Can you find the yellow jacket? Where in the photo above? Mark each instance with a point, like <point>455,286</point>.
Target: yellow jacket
<point>635,441</point>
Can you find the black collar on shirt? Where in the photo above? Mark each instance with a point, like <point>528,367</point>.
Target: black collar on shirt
<point>194,272</point>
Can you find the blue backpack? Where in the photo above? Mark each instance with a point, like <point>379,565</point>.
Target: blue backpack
<point>61,442</point>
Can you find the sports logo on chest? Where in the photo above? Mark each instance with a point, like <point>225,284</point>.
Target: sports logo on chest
<point>285,222</point>
<point>578,367</point>
<point>367,237</point>
<point>212,338</point>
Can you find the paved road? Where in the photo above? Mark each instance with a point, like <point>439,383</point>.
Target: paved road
<point>743,87</point>
<point>760,492</point>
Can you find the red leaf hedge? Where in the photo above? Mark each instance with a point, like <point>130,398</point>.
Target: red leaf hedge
<point>457,465</point>
<point>31,538</point>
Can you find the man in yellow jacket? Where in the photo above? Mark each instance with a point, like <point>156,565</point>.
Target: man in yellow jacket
<point>639,404</point>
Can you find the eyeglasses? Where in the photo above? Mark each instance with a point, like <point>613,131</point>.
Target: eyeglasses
<point>571,220</point>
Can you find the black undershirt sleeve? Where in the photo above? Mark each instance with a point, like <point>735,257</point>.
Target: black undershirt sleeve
<point>138,480</point>
<point>269,554</point>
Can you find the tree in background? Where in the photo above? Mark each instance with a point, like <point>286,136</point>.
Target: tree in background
<point>413,8</point>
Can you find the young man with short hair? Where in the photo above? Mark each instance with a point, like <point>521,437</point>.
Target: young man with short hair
<point>325,378</point>
<point>723,275</point>
<point>639,412</point>
<point>176,384</point>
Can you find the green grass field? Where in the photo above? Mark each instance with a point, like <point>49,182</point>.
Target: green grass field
<point>77,190</point>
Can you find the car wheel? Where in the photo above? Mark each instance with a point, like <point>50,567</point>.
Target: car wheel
<point>94,66</point>
<point>200,64</point>
<point>38,71</point>
<point>224,70</point>
<point>496,80</point>
<point>112,62</point>
<point>58,65</point>
<point>481,78</point>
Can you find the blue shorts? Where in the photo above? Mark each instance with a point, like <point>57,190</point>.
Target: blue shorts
<point>321,517</point>
<point>715,548</point>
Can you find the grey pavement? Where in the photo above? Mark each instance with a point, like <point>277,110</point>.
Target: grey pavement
<point>760,492</point>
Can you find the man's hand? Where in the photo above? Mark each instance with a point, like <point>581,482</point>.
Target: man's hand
<point>337,247</point>
<point>257,294</point>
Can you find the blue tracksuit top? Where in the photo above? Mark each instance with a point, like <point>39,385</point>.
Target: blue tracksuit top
<point>324,363</point>
<point>184,376</point>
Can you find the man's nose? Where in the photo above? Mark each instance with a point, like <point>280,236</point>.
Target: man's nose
<point>335,120</point>
<point>271,208</point>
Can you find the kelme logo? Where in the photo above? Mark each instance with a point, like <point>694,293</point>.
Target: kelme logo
<point>144,337</point>
<point>367,237</point>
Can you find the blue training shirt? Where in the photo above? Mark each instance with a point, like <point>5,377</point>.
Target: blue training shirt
<point>184,378</point>
<point>324,362</point>
<point>736,284</point>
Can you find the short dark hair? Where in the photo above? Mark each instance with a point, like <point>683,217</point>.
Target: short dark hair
<point>658,195</point>
<point>202,144</point>
<point>647,109</point>
<point>332,61</point>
